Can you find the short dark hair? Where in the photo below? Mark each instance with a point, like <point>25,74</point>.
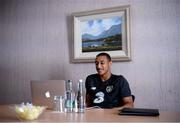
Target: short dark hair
<point>104,54</point>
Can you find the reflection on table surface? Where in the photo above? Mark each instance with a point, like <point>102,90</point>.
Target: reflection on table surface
<point>7,114</point>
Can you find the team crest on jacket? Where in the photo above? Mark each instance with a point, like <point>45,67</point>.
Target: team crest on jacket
<point>109,88</point>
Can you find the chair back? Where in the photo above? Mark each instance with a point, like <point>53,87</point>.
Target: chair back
<point>133,97</point>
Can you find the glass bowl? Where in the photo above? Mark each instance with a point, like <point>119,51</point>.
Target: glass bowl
<point>28,111</point>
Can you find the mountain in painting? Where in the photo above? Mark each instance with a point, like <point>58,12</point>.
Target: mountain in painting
<point>115,29</point>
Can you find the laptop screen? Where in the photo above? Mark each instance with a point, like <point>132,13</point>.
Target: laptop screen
<point>43,92</point>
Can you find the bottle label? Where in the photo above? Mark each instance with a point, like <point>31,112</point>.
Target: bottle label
<point>69,103</point>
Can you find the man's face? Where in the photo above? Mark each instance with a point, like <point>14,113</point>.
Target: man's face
<point>102,65</point>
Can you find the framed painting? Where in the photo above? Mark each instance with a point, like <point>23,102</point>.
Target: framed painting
<point>104,30</point>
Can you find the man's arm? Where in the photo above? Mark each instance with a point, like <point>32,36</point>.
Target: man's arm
<point>127,102</point>
<point>88,100</point>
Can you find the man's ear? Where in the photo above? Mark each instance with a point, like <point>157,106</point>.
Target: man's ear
<point>110,63</point>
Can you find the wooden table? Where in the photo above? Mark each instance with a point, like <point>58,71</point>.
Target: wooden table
<point>91,115</point>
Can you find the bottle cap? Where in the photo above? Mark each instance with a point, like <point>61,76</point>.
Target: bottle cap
<point>69,81</point>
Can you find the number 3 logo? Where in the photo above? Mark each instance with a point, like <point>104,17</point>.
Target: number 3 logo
<point>100,97</point>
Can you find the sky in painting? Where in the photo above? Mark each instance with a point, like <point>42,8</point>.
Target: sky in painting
<point>97,26</point>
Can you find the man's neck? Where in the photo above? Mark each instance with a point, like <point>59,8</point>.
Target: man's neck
<point>105,77</point>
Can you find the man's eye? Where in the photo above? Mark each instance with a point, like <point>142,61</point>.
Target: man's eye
<point>102,62</point>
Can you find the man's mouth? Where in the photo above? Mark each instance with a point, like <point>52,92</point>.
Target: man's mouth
<point>99,70</point>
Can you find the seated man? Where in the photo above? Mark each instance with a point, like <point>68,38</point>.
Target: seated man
<point>105,89</point>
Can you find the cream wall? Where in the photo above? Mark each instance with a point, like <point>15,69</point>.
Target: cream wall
<point>36,40</point>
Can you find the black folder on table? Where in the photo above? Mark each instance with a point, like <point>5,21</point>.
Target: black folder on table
<point>139,112</point>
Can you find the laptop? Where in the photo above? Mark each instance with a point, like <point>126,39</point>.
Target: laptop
<point>139,112</point>
<point>43,92</point>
